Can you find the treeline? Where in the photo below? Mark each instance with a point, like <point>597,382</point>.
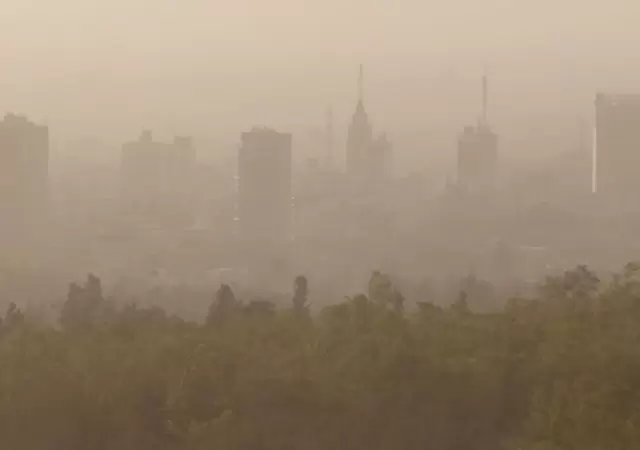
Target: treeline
<point>560,371</point>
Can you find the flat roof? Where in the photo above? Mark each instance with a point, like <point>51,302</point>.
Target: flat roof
<point>618,98</point>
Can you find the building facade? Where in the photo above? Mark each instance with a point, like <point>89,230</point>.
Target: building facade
<point>617,145</point>
<point>264,206</point>
<point>157,179</point>
<point>478,154</point>
<point>368,158</point>
<point>359,142</point>
<point>24,179</point>
<point>477,160</point>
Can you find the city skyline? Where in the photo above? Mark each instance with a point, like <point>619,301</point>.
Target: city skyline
<point>318,224</point>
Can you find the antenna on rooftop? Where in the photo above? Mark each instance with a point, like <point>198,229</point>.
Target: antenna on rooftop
<point>485,98</point>
<point>329,137</point>
<point>361,84</point>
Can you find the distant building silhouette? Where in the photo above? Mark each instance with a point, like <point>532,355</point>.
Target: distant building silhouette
<point>157,179</point>
<point>328,160</point>
<point>264,190</point>
<point>380,158</point>
<point>618,145</point>
<point>477,159</point>
<point>368,159</point>
<point>478,154</point>
<point>24,163</point>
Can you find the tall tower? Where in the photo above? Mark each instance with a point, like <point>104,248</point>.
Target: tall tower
<point>264,191</point>
<point>360,136</point>
<point>24,162</point>
<point>361,84</point>
<point>618,145</point>
<point>478,153</point>
<point>156,180</point>
<point>485,100</point>
<point>329,139</point>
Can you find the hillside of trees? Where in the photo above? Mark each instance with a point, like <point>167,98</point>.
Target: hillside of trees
<point>557,372</point>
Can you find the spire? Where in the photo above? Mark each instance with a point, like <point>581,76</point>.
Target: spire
<point>485,98</point>
<point>361,85</point>
<point>360,111</point>
<point>329,137</point>
<point>582,135</point>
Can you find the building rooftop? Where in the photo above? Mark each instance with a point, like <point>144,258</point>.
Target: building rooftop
<point>614,99</point>
<point>16,120</point>
<point>263,129</point>
<point>263,134</point>
<point>471,132</point>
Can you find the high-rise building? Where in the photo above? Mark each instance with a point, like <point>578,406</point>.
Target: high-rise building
<point>24,162</point>
<point>368,159</point>
<point>617,145</point>
<point>477,159</point>
<point>328,160</point>
<point>264,190</point>
<point>478,154</point>
<point>380,158</point>
<point>157,179</point>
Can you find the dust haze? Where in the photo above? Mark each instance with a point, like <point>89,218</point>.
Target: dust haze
<point>311,225</point>
<point>170,146</point>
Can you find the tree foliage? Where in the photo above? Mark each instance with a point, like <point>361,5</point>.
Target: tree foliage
<point>555,372</point>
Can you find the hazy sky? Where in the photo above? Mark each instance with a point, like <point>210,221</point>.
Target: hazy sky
<point>196,66</point>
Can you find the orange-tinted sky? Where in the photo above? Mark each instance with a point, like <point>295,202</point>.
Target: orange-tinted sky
<point>101,66</point>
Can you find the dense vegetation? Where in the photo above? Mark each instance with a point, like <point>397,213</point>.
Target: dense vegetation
<point>561,371</point>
